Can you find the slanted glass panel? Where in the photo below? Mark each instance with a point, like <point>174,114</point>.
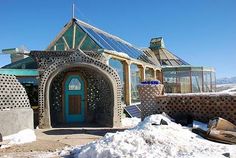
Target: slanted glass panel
<point>126,49</point>
<point>60,45</point>
<point>89,44</point>
<point>119,67</point>
<point>135,80</point>
<point>170,81</point>
<point>207,81</point>
<point>149,74</point>
<point>68,35</point>
<point>79,35</point>
<point>165,62</point>
<point>183,82</point>
<point>74,84</point>
<point>213,81</point>
<point>173,62</point>
<point>99,39</point>
<point>197,81</point>
<point>111,42</point>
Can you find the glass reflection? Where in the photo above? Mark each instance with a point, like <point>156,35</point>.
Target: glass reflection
<point>74,84</point>
<point>149,74</point>
<point>119,67</point>
<point>197,82</point>
<point>135,80</point>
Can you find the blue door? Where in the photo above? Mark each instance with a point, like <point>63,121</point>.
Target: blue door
<point>74,99</point>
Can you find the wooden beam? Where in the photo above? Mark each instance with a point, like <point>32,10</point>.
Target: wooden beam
<point>155,73</point>
<point>142,72</point>
<point>127,86</point>
<point>68,47</point>
<point>82,41</point>
<point>60,34</point>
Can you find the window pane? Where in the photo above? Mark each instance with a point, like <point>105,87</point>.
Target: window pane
<point>207,81</point>
<point>79,35</point>
<point>197,81</point>
<point>149,74</point>
<point>74,84</point>
<point>213,81</point>
<point>89,44</point>
<point>68,35</point>
<point>60,45</point>
<point>169,80</point>
<point>119,67</point>
<point>99,39</point>
<point>183,79</point>
<point>135,80</point>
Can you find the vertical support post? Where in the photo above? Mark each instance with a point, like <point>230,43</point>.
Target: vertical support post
<point>127,86</point>
<point>203,89</point>
<point>191,82</point>
<point>155,73</point>
<point>159,75</point>
<point>142,71</point>
<point>211,82</point>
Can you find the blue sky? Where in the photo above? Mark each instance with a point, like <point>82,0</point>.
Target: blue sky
<point>202,32</point>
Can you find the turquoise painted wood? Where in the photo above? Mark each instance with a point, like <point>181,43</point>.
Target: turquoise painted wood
<point>71,118</point>
<point>19,72</point>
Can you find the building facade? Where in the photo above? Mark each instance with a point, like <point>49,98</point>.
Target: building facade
<point>88,75</point>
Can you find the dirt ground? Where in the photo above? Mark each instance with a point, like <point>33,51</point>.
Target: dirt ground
<point>51,141</point>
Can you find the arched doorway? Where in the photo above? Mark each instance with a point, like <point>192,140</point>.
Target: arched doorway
<point>103,89</point>
<point>81,96</point>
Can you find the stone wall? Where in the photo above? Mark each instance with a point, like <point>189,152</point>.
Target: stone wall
<point>200,107</point>
<point>15,111</point>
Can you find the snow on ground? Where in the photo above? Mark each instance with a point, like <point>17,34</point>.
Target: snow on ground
<point>24,136</point>
<point>130,122</point>
<point>149,139</point>
<point>225,88</point>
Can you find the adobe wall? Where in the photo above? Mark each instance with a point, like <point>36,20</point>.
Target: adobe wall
<point>15,111</point>
<point>202,106</point>
<point>13,121</point>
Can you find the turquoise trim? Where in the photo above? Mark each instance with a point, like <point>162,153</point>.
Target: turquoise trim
<point>19,72</point>
<point>26,62</point>
<point>70,118</point>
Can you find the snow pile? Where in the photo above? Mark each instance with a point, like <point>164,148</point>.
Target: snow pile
<point>121,54</point>
<point>130,122</point>
<point>24,136</point>
<point>226,88</point>
<point>149,139</point>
